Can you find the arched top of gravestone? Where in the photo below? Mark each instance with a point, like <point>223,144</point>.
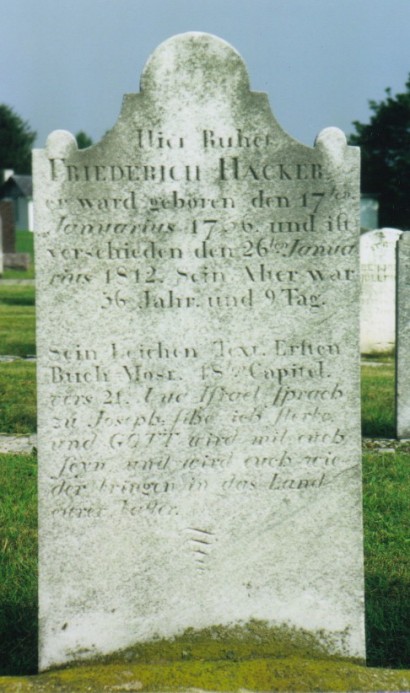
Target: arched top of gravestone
<point>385,236</point>
<point>198,63</point>
<point>190,81</point>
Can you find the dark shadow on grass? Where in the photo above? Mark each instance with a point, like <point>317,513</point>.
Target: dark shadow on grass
<point>18,300</point>
<point>376,429</point>
<point>387,623</point>
<point>18,639</point>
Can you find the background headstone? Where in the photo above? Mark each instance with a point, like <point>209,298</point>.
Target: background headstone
<point>378,290</point>
<point>1,248</point>
<point>9,230</point>
<point>17,261</point>
<point>403,337</point>
<point>198,369</point>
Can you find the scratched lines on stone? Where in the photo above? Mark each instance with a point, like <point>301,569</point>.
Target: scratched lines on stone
<point>200,542</point>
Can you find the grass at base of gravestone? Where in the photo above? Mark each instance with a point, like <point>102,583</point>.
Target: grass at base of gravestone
<point>24,244</point>
<point>18,564</point>
<point>386,483</point>
<point>387,571</point>
<point>378,397</point>
<point>17,320</point>
<point>18,398</point>
<point>283,674</point>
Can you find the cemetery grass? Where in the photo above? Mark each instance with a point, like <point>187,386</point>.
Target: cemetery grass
<point>17,320</point>
<point>24,244</point>
<point>377,396</point>
<point>18,563</point>
<point>18,398</point>
<point>17,378</point>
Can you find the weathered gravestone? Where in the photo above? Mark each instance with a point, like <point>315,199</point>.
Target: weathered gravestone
<point>11,259</point>
<point>1,248</point>
<point>378,290</point>
<point>403,337</point>
<point>9,229</point>
<point>198,370</point>
<point>18,261</point>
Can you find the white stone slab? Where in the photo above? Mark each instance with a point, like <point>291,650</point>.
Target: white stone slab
<point>198,368</point>
<point>1,248</point>
<point>378,290</point>
<point>403,337</point>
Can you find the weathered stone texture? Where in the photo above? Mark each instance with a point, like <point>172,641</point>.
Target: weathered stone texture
<point>9,230</point>
<point>198,370</point>
<point>403,337</point>
<point>378,290</point>
<point>19,261</point>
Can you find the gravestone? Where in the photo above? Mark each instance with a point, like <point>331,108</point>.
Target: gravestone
<point>17,261</point>
<point>1,248</point>
<point>378,290</point>
<point>9,229</point>
<point>198,369</point>
<point>403,337</point>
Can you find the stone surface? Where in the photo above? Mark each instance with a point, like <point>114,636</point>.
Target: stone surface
<point>403,337</point>
<point>17,444</point>
<point>198,368</point>
<point>9,230</point>
<point>18,261</point>
<point>1,249</point>
<point>378,290</point>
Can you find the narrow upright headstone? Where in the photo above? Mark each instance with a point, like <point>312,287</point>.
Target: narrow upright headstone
<point>378,290</point>
<point>1,248</point>
<point>198,369</point>
<point>403,337</point>
<point>9,228</point>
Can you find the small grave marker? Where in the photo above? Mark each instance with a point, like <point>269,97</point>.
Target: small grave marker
<point>403,335</point>
<point>378,290</point>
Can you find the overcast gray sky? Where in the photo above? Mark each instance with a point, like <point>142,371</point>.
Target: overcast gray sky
<point>66,63</point>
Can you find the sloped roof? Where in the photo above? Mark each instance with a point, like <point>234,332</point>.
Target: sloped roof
<point>25,183</point>
<point>17,186</point>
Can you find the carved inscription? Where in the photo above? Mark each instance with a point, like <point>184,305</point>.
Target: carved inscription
<point>378,289</point>
<point>278,252</point>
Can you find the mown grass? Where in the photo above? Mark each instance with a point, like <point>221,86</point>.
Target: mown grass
<point>18,564</point>
<point>17,320</point>
<point>18,397</point>
<point>386,485</point>
<point>378,399</point>
<point>24,244</point>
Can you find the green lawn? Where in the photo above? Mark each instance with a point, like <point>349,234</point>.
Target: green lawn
<point>18,397</point>
<point>18,564</point>
<point>24,244</point>
<point>386,485</point>
<point>378,394</point>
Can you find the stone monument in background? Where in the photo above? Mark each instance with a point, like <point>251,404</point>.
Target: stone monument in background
<point>198,369</point>
<point>403,337</point>
<point>378,290</point>
<point>1,248</point>
<point>9,229</point>
<point>11,259</point>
